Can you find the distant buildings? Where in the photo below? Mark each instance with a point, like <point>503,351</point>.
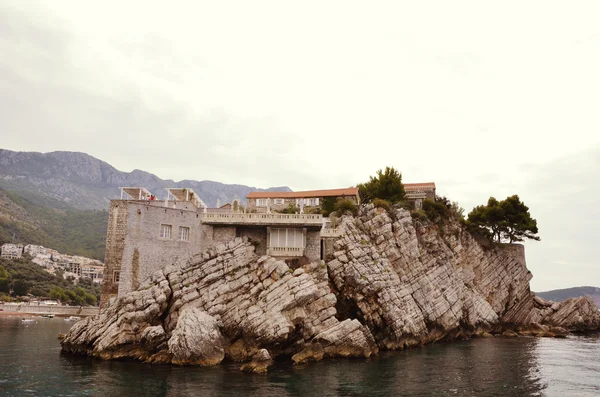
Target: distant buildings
<point>11,251</point>
<point>52,260</point>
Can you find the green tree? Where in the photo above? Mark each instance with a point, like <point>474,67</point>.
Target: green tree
<point>328,205</point>
<point>508,219</point>
<point>518,223</point>
<point>57,293</point>
<point>386,185</point>
<point>4,285</point>
<point>3,273</point>
<point>20,287</point>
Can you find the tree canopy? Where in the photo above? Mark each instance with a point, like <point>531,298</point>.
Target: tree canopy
<point>386,185</point>
<point>508,219</point>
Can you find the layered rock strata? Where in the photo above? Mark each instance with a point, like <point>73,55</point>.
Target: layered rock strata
<point>390,282</point>
<point>224,303</point>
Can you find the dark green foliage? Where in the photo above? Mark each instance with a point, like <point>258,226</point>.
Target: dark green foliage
<point>386,185</point>
<point>3,273</point>
<point>328,205</point>
<point>20,287</point>
<point>381,203</point>
<point>42,284</point>
<point>436,211</point>
<point>291,209</point>
<point>508,219</point>
<point>344,206</point>
<point>4,285</point>
<point>419,214</point>
<point>37,221</point>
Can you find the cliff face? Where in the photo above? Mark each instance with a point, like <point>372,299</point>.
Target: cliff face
<point>389,283</point>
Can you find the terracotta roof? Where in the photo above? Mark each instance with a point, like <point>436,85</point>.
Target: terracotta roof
<point>418,186</point>
<point>351,191</point>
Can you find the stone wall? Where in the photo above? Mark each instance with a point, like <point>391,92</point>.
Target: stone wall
<point>223,234</point>
<point>144,251</point>
<point>256,235</point>
<point>313,245</point>
<point>115,244</point>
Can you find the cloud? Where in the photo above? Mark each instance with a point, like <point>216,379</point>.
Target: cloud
<point>322,95</point>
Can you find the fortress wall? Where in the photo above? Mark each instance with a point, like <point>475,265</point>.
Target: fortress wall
<point>115,244</point>
<point>144,251</point>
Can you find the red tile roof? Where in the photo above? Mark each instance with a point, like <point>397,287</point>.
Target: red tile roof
<point>419,186</point>
<point>351,191</point>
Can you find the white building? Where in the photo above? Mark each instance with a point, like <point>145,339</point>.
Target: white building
<point>11,251</point>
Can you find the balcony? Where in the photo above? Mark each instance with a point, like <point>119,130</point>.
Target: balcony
<point>285,251</point>
<point>331,232</point>
<point>415,195</point>
<point>315,220</point>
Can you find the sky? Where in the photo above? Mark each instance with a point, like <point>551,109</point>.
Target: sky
<point>483,98</point>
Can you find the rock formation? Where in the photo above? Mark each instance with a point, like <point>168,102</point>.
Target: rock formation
<point>390,282</point>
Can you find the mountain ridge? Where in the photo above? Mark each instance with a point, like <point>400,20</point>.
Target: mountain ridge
<point>559,295</point>
<point>86,182</point>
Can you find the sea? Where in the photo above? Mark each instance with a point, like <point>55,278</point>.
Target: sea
<point>31,364</point>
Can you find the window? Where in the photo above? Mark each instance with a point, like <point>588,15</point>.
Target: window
<point>184,233</point>
<point>116,276</point>
<point>261,202</point>
<point>278,201</point>
<point>287,237</point>
<point>165,231</point>
<point>313,202</point>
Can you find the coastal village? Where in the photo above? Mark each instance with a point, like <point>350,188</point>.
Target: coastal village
<point>71,266</point>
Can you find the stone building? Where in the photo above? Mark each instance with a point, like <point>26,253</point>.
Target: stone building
<point>418,192</point>
<point>11,251</point>
<point>304,201</point>
<point>146,235</point>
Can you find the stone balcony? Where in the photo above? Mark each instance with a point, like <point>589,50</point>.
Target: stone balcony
<point>331,232</point>
<point>254,219</point>
<point>285,251</point>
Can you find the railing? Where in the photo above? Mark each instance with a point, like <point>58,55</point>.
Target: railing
<point>416,195</point>
<point>286,251</point>
<point>331,232</point>
<point>266,219</point>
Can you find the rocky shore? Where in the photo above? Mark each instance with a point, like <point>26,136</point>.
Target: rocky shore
<point>391,282</point>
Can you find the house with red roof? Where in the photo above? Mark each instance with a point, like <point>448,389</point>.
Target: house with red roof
<point>304,200</point>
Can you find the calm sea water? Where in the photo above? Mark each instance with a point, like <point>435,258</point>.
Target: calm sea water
<point>31,365</point>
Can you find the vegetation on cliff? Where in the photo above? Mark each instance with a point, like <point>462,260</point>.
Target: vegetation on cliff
<point>386,185</point>
<point>506,220</point>
<point>25,277</point>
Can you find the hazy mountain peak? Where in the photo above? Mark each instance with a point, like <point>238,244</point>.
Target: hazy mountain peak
<point>86,182</point>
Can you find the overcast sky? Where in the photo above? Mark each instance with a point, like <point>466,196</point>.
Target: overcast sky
<point>484,98</point>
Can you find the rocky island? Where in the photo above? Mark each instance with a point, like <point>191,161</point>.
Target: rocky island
<point>392,281</point>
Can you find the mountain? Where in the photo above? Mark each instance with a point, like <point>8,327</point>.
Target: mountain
<point>559,295</point>
<point>60,199</point>
<point>81,181</point>
<point>33,219</point>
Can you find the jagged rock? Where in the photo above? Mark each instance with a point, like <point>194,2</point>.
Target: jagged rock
<point>225,302</point>
<point>391,282</point>
<point>575,314</point>
<point>346,339</point>
<point>196,340</point>
<point>260,362</point>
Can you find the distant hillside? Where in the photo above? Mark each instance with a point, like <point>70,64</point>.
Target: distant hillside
<point>43,221</point>
<point>84,182</point>
<point>559,295</point>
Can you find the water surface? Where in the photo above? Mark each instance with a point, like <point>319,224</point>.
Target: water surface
<point>31,365</point>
